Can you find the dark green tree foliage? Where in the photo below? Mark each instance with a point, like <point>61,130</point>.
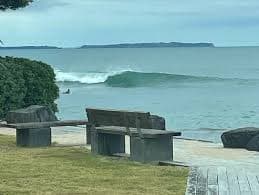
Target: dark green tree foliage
<point>25,82</point>
<point>12,89</point>
<point>13,4</point>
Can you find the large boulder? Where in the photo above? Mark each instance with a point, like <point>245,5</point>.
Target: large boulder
<point>239,138</point>
<point>158,122</point>
<point>253,144</point>
<point>32,113</point>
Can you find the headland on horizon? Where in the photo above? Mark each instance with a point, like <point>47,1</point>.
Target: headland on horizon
<point>119,45</point>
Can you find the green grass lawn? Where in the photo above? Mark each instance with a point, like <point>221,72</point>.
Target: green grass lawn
<point>70,170</point>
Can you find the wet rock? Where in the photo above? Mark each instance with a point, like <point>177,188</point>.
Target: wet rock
<point>239,138</point>
<point>253,144</point>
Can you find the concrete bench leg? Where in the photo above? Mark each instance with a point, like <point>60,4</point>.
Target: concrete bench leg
<point>107,144</point>
<point>88,134</point>
<point>148,150</point>
<point>33,137</point>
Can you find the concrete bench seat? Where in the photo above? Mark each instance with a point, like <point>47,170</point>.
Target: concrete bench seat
<point>149,141</point>
<point>148,146</point>
<point>34,125</point>
<point>38,134</point>
<point>146,133</point>
<point>122,118</point>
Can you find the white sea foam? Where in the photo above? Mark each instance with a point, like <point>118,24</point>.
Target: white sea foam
<point>87,78</point>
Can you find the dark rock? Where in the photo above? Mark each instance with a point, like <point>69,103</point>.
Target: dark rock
<point>157,122</point>
<point>239,138</point>
<point>32,113</point>
<point>253,144</point>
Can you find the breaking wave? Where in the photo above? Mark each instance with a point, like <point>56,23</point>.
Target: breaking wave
<point>128,78</point>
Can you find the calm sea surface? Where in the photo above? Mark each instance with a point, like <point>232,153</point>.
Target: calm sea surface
<point>200,91</point>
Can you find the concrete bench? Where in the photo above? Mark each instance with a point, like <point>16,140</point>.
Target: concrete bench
<point>146,146</point>
<point>111,117</point>
<point>38,134</point>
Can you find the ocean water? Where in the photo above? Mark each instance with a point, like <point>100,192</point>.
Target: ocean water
<point>200,91</point>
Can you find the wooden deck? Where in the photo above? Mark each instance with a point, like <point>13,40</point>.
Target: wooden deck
<point>219,180</point>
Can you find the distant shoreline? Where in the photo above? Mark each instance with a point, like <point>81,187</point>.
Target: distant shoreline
<point>110,47</point>
<point>31,47</point>
<point>149,45</point>
<point>122,45</point>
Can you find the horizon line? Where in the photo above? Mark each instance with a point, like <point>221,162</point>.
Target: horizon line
<point>120,43</point>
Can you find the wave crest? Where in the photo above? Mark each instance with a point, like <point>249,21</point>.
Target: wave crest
<point>85,78</point>
<point>128,78</point>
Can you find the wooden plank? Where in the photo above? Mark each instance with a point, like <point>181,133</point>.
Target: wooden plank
<point>223,181</point>
<point>172,163</point>
<point>126,121</point>
<point>46,124</point>
<point>115,110</point>
<point>202,181</point>
<point>123,155</point>
<point>253,183</point>
<point>243,183</point>
<point>212,176</point>
<point>213,189</point>
<point>8,125</point>
<point>192,182</point>
<point>213,181</point>
<point>233,184</point>
<point>107,117</point>
<point>147,133</point>
<point>138,126</point>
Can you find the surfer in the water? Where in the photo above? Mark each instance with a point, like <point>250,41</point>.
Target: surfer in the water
<point>67,92</point>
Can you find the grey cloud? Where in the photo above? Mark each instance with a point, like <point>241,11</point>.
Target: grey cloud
<point>75,22</point>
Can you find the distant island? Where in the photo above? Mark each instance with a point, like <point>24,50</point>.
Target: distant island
<point>121,45</point>
<point>149,45</point>
<point>31,47</point>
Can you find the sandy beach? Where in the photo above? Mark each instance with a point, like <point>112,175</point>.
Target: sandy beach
<point>64,136</point>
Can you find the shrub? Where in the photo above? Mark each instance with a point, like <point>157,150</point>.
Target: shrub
<point>25,82</point>
<point>13,4</point>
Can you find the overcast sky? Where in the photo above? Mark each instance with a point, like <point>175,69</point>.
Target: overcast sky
<point>77,22</point>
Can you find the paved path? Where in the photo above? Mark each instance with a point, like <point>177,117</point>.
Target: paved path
<point>199,154</point>
<point>221,180</point>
